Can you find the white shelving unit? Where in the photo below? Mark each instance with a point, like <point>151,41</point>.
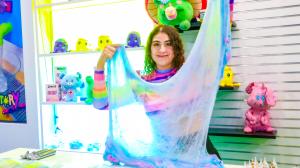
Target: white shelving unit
<point>76,126</point>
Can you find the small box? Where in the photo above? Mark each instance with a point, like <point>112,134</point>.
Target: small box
<point>52,93</point>
<point>58,71</point>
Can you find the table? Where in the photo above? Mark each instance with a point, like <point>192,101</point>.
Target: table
<point>65,159</point>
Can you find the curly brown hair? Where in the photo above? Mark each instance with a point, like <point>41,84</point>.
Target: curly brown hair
<point>177,46</point>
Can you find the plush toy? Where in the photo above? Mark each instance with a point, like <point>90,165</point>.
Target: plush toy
<point>133,39</point>
<point>227,80</point>
<point>103,41</point>
<point>60,46</point>
<point>260,99</point>
<point>175,13</point>
<point>70,85</point>
<point>81,45</point>
<point>89,90</point>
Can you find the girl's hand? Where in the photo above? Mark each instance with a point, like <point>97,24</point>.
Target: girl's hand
<point>107,53</point>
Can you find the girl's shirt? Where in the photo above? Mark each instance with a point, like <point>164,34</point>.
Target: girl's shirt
<point>100,92</point>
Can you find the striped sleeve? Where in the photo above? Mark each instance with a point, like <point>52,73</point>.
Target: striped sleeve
<point>99,91</point>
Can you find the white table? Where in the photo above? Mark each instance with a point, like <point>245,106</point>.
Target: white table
<point>64,159</point>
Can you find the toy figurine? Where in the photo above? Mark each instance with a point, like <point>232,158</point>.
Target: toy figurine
<point>103,41</point>
<point>133,39</point>
<point>81,45</point>
<point>76,144</point>
<point>227,80</point>
<point>260,99</point>
<point>273,164</point>
<point>60,46</point>
<point>262,164</point>
<point>89,90</point>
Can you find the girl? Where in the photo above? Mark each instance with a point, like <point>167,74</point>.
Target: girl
<point>164,56</point>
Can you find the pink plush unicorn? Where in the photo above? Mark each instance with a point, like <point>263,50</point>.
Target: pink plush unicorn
<point>260,100</point>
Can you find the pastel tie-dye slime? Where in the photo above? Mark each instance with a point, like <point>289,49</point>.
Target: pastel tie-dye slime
<point>165,124</point>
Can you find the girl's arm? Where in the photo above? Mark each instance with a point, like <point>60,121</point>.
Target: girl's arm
<point>99,91</point>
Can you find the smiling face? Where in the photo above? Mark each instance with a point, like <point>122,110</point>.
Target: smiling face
<point>162,51</point>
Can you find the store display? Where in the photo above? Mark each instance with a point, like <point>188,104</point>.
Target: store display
<point>260,99</point>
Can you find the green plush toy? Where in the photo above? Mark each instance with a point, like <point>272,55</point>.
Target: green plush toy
<point>89,90</point>
<point>4,29</point>
<point>175,12</point>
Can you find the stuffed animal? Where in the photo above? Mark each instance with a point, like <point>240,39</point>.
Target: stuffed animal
<point>103,41</point>
<point>60,46</point>
<point>227,80</point>
<point>89,90</point>
<point>82,45</point>
<point>133,39</point>
<point>175,13</point>
<point>70,85</point>
<point>260,99</point>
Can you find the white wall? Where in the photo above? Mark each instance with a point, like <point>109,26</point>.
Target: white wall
<point>25,135</point>
<point>266,47</point>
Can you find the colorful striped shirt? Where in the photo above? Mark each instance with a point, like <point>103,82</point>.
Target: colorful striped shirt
<point>100,93</point>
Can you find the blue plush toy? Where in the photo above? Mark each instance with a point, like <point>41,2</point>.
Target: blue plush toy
<point>70,85</point>
<point>133,39</point>
<point>60,46</point>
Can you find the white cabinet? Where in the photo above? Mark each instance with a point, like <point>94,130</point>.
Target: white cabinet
<point>76,125</point>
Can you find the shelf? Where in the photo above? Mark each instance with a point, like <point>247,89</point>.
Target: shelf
<point>77,3</point>
<point>84,53</point>
<point>69,54</point>
<point>65,103</point>
<point>234,132</point>
<point>195,25</point>
<point>227,88</point>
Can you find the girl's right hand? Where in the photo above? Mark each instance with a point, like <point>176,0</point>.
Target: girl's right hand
<point>107,53</point>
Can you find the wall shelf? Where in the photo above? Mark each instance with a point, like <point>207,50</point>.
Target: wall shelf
<point>238,132</point>
<point>227,88</point>
<point>64,103</point>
